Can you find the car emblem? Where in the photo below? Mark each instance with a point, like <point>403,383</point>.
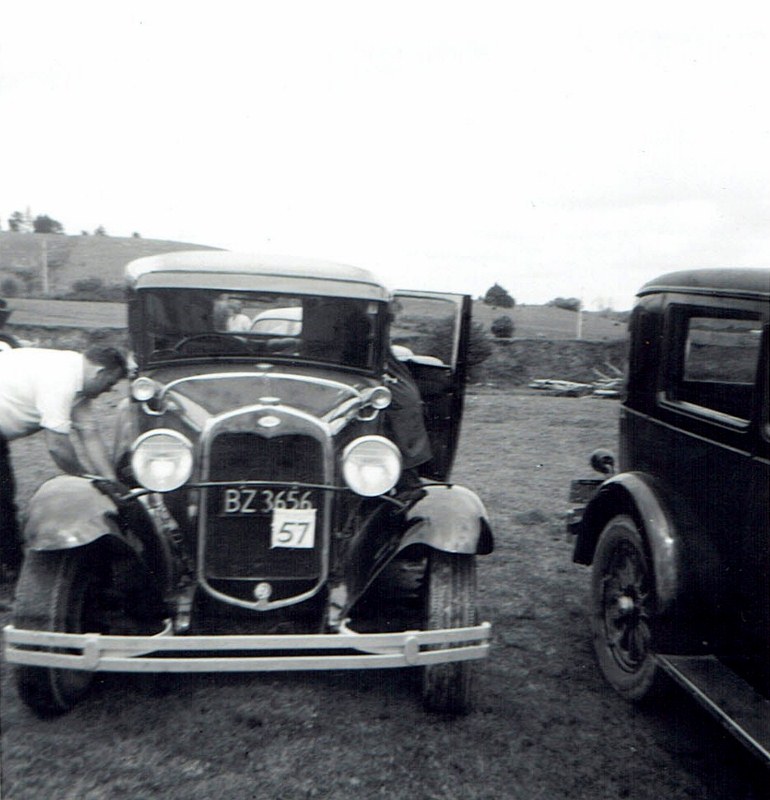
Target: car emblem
<point>263,590</point>
<point>269,421</point>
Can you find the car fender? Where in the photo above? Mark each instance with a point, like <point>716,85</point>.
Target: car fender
<point>69,511</point>
<point>636,492</point>
<point>450,518</point>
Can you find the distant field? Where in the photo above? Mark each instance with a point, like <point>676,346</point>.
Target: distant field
<point>72,258</point>
<point>531,322</point>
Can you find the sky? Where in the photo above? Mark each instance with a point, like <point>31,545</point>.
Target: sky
<point>560,149</point>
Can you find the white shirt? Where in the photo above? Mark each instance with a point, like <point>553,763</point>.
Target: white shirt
<point>239,323</point>
<point>38,388</point>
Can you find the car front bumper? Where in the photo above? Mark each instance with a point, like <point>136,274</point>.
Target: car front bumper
<point>164,652</point>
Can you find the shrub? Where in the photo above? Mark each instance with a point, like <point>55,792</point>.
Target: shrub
<point>502,327</point>
<point>94,289</point>
<point>497,296</point>
<point>88,285</point>
<point>10,287</point>
<point>567,303</point>
<point>439,343</point>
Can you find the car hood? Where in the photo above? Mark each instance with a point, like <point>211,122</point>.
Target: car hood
<point>225,388</point>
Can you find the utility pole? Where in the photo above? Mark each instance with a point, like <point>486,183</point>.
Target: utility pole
<point>45,265</point>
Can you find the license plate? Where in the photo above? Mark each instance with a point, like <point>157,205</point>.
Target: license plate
<point>244,501</point>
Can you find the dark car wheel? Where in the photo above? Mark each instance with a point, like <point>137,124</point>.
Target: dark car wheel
<point>59,591</point>
<point>622,599</point>
<point>7,342</point>
<point>450,602</point>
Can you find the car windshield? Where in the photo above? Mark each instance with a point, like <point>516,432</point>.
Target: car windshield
<point>177,324</point>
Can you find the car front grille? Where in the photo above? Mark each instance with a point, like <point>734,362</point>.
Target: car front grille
<point>237,542</point>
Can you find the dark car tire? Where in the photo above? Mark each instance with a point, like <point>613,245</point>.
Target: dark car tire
<point>622,610</point>
<point>450,602</point>
<point>7,342</point>
<point>58,591</point>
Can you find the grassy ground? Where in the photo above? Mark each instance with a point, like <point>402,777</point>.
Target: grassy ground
<point>546,726</point>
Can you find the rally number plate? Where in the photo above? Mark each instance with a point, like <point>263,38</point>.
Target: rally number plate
<point>293,528</point>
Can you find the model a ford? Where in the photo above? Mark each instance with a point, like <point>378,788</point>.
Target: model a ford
<point>276,508</point>
<point>679,537</point>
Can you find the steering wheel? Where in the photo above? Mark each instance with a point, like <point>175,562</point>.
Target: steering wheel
<point>240,344</point>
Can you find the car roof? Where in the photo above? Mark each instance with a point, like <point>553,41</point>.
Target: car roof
<point>738,282</point>
<point>226,270</point>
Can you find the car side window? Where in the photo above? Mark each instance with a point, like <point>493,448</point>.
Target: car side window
<point>715,360</point>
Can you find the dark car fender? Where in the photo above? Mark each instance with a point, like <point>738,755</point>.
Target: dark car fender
<point>449,518</point>
<point>636,493</point>
<point>69,511</point>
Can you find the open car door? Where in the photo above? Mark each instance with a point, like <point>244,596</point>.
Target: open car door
<point>429,334</point>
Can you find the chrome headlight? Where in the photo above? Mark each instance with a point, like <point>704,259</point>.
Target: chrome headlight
<point>371,465</point>
<point>162,460</point>
<point>144,389</point>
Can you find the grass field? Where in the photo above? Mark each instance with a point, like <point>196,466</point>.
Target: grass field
<point>546,726</point>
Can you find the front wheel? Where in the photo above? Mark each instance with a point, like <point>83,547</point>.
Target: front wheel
<point>450,602</point>
<point>7,342</point>
<point>61,591</point>
<point>622,609</point>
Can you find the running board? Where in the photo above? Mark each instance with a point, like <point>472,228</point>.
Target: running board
<point>735,703</point>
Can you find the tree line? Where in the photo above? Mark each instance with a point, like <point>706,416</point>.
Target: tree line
<point>24,222</point>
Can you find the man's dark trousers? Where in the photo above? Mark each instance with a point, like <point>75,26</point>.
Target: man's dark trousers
<point>11,552</point>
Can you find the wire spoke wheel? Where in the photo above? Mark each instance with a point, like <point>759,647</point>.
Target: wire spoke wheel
<point>622,596</point>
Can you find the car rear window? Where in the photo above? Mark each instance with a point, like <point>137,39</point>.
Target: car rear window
<point>715,357</point>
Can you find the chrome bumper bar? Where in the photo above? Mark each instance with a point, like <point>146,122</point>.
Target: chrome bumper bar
<point>103,653</point>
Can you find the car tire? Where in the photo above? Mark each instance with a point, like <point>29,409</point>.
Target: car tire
<point>450,602</point>
<point>7,342</point>
<point>58,591</point>
<point>622,610</point>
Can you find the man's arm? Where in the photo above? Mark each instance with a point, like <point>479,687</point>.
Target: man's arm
<point>62,452</point>
<point>86,427</point>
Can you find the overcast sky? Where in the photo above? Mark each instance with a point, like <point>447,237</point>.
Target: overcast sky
<point>557,148</point>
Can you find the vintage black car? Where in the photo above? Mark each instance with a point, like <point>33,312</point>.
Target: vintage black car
<point>270,513</point>
<point>679,536</point>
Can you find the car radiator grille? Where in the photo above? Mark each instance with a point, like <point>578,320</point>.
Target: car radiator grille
<point>237,545</point>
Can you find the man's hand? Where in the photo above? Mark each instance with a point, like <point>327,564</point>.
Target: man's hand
<point>63,453</point>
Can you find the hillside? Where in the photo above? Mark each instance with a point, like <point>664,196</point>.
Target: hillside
<point>72,258</point>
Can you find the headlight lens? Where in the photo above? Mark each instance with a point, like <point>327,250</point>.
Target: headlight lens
<point>143,389</point>
<point>162,460</point>
<point>371,465</point>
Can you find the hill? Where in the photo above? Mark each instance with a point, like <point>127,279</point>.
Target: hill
<point>72,258</point>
